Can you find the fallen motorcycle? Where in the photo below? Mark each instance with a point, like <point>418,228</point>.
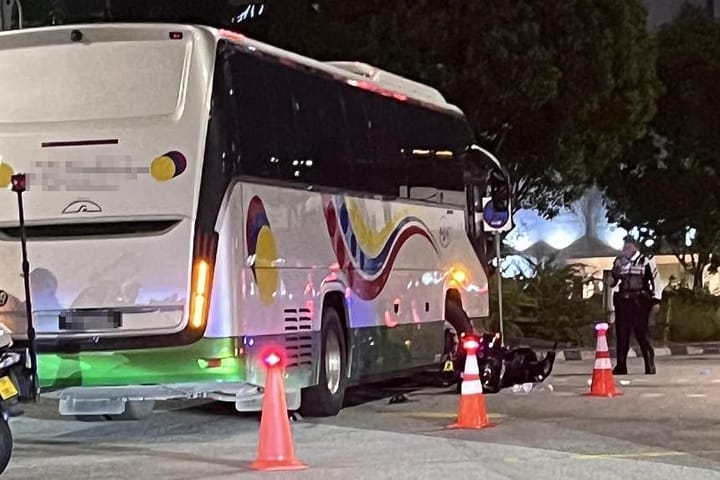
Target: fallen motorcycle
<point>502,367</point>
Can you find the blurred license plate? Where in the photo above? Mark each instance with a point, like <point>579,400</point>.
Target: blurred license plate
<point>7,388</point>
<point>90,321</point>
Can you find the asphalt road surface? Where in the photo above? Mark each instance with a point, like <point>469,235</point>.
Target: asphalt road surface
<point>664,426</point>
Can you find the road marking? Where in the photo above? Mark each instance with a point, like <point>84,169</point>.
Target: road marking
<point>696,395</point>
<point>440,414</point>
<point>629,455</point>
<point>717,380</point>
<point>652,395</point>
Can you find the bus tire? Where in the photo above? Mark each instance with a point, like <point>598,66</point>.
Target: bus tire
<point>326,398</point>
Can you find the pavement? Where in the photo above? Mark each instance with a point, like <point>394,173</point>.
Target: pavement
<point>664,426</point>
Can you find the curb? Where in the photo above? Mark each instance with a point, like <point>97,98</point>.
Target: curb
<point>672,351</point>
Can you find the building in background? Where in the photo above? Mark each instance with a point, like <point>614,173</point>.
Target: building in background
<point>580,234</point>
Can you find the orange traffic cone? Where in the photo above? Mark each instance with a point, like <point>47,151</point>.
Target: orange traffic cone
<point>471,412</point>
<point>603,383</point>
<point>275,447</point>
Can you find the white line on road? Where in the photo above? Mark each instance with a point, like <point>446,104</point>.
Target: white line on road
<point>652,395</point>
<point>629,455</point>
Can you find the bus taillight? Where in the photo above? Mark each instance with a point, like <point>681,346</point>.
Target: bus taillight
<point>201,288</point>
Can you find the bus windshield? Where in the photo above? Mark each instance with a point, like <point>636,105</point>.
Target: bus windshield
<point>42,13</point>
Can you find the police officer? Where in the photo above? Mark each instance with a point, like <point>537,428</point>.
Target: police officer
<point>638,294</point>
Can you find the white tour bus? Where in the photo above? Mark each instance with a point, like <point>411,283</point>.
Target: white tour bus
<point>194,196</point>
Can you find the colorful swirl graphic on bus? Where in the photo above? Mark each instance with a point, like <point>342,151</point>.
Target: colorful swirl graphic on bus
<point>262,248</point>
<point>168,166</point>
<point>368,269</point>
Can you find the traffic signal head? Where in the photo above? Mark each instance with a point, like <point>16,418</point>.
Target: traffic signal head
<point>500,194</point>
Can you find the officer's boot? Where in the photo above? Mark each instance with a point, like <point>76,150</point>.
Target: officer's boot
<point>649,357</point>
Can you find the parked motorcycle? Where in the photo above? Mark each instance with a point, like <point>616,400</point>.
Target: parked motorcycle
<point>14,385</point>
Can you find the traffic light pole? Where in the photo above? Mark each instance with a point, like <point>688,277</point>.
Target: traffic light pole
<point>497,223</point>
<point>499,283</point>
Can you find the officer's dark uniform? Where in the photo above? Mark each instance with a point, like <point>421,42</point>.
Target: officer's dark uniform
<point>638,292</point>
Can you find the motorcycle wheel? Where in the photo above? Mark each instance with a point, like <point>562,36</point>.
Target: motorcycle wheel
<point>6,445</point>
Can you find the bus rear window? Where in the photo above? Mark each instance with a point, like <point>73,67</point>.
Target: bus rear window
<point>95,81</point>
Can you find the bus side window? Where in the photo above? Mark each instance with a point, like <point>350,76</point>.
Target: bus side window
<point>431,158</point>
<point>252,81</point>
<point>319,157</point>
<point>355,142</point>
<point>386,172</point>
<point>282,125</point>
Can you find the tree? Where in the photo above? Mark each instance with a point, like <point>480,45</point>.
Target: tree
<point>669,184</point>
<point>562,88</point>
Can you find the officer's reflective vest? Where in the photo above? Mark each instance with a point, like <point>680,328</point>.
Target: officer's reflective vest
<point>632,274</point>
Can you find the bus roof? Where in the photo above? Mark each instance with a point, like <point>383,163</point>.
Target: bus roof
<point>358,74</point>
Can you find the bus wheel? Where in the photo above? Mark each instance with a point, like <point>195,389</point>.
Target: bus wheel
<point>326,398</point>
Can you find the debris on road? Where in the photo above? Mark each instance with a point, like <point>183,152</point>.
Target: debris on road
<point>524,388</point>
<point>401,398</point>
